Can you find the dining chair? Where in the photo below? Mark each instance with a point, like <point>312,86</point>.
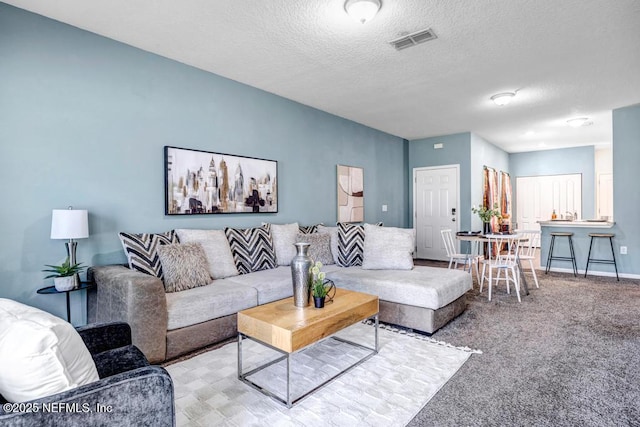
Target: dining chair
<point>528,249</point>
<point>502,257</point>
<point>455,257</point>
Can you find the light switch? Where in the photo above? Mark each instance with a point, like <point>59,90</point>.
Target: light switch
<point>384,208</point>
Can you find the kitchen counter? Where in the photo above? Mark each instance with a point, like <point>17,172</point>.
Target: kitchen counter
<point>581,223</point>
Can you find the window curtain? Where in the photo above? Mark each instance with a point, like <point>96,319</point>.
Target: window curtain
<point>491,196</point>
<point>505,204</point>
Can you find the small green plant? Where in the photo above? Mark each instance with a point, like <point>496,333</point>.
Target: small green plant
<point>485,213</point>
<point>319,288</point>
<point>64,270</point>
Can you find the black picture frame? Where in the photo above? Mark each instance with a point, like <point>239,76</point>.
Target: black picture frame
<point>198,182</point>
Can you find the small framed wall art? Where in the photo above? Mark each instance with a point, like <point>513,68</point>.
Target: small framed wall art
<point>203,182</point>
<point>350,194</point>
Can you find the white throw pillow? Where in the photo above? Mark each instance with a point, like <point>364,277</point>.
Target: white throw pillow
<point>284,239</point>
<point>388,248</point>
<point>216,248</point>
<point>40,354</point>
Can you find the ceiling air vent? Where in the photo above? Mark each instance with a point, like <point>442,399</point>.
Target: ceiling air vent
<point>413,39</point>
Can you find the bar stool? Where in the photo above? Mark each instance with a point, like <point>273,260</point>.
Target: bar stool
<point>602,261</point>
<point>572,258</point>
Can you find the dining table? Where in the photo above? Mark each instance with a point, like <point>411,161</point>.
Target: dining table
<point>475,239</point>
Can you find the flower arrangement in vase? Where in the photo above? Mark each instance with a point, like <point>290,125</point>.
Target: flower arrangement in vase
<point>320,285</point>
<point>485,215</point>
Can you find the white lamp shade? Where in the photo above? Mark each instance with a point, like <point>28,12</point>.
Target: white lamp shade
<point>69,224</point>
<point>362,10</point>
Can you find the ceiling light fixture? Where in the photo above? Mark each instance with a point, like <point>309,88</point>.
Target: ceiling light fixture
<point>503,98</point>
<point>362,11</point>
<point>579,121</point>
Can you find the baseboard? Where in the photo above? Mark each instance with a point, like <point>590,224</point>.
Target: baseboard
<point>594,273</point>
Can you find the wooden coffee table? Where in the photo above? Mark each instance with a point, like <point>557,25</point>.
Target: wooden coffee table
<point>283,327</point>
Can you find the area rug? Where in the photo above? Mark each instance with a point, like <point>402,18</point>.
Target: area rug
<point>389,389</point>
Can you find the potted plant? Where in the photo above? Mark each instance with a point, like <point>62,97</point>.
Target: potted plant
<point>485,215</point>
<point>320,286</point>
<point>65,276</point>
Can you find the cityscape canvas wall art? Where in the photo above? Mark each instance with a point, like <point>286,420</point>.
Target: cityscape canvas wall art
<point>350,194</point>
<point>202,182</point>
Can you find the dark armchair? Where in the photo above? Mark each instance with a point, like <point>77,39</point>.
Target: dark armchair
<point>130,392</point>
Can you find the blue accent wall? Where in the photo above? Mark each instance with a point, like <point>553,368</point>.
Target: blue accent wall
<point>626,196</point>
<point>484,153</point>
<point>558,162</point>
<point>456,150</point>
<point>83,122</point>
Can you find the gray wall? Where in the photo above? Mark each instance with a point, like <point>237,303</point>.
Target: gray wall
<point>558,162</point>
<point>456,151</point>
<point>83,122</point>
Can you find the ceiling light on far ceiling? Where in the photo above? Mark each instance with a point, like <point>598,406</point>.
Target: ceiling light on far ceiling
<point>503,98</point>
<point>362,11</point>
<point>579,121</point>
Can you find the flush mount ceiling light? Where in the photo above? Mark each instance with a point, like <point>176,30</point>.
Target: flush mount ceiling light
<point>362,11</point>
<point>503,98</point>
<point>579,121</point>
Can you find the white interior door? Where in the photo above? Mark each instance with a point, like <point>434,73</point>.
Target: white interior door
<point>538,196</point>
<point>435,205</point>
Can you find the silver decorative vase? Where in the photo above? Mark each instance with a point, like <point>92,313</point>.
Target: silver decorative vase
<point>300,265</point>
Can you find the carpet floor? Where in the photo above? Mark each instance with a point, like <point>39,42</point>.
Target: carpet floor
<point>568,355</point>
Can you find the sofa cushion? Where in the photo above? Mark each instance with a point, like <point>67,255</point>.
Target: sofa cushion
<point>252,248</point>
<point>220,298</point>
<point>320,249</point>
<point>388,248</point>
<point>184,265</point>
<point>216,248</point>
<point>142,250</point>
<point>350,244</point>
<point>284,237</point>
<point>271,285</point>
<point>427,287</point>
<point>40,354</point>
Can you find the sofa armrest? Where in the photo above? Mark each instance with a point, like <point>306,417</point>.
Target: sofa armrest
<point>143,396</point>
<point>99,337</point>
<point>135,298</point>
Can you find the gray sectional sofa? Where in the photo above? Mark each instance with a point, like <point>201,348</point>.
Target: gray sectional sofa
<point>168,324</point>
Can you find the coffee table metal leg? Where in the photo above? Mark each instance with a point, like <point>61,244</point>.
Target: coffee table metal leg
<point>289,403</point>
<point>239,356</point>
<point>377,324</point>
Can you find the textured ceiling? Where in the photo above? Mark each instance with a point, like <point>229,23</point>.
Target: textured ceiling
<point>564,58</point>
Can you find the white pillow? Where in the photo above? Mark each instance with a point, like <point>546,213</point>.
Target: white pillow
<point>284,239</point>
<point>216,248</point>
<point>40,354</point>
<point>388,248</point>
<point>333,232</point>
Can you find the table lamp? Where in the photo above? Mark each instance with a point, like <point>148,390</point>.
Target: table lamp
<point>70,224</point>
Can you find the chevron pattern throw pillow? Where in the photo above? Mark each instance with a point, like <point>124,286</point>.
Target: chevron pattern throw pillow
<point>142,250</point>
<point>309,229</point>
<point>350,244</point>
<point>252,249</point>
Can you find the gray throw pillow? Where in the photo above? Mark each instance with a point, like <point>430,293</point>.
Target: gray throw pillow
<point>333,233</point>
<point>388,248</point>
<point>320,249</point>
<point>184,266</point>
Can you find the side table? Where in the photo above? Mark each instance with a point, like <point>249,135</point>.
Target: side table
<point>52,290</point>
